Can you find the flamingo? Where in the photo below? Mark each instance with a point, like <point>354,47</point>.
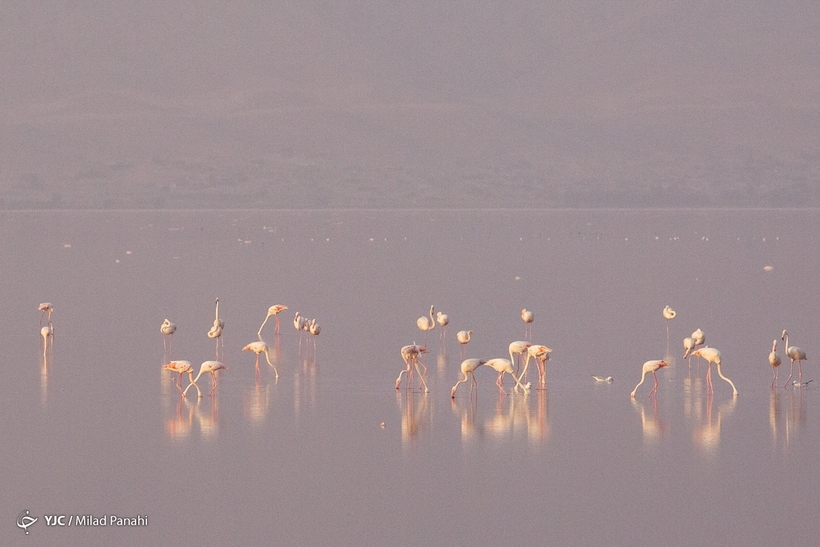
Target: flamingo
<point>425,324</point>
<point>410,354</point>
<point>774,360</point>
<point>443,320</point>
<point>314,329</point>
<point>541,355</point>
<point>46,308</point>
<point>528,317</point>
<point>468,367</point>
<point>699,337</point>
<point>501,366</point>
<point>712,355</point>
<point>274,311</point>
<point>259,347</point>
<point>181,367</point>
<point>207,366</point>
<point>167,329</point>
<point>688,346</point>
<point>46,332</point>
<point>650,366</point>
<point>215,331</point>
<point>794,354</point>
<point>668,313</point>
<point>463,337</point>
<point>518,348</point>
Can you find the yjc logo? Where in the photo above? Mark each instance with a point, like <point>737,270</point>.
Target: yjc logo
<point>24,520</point>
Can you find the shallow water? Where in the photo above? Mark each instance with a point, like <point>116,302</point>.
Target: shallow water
<point>100,429</point>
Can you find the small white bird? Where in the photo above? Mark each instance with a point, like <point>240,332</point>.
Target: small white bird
<point>607,379</point>
<point>798,383</point>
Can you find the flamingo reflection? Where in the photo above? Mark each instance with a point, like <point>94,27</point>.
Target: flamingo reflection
<point>413,420</point>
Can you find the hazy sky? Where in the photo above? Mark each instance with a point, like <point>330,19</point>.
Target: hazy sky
<point>416,104</point>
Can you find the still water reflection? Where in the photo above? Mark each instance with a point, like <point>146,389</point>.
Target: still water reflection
<point>305,459</point>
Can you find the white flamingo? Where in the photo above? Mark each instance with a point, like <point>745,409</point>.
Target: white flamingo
<point>501,366</point>
<point>463,337</point>
<point>517,349</point>
<point>794,353</point>
<point>468,367</point>
<point>443,320</point>
<point>668,313</point>
<point>425,325</point>
<point>541,354</point>
<point>210,367</point>
<point>774,360</point>
<point>167,329</point>
<point>46,308</point>
<point>181,367</point>
<point>528,317</point>
<point>274,311</point>
<point>258,348</point>
<point>215,332</point>
<point>410,354</point>
<point>712,355</point>
<point>650,366</point>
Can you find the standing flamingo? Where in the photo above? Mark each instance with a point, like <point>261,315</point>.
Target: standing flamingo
<point>215,331</point>
<point>541,355</point>
<point>650,366</point>
<point>794,354</point>
<point>774,360</point>
<point>528,317</point>
<point>46,332</point>
<point>443,320</point>
<point>207,366</point>
<point>668,313</point>
<point>463,337</point>
<point>712,355</point>
<point>46,308</point>
<point>410,354</point>
<point>424,324</point>
<point>501,366</point>
<point>518,348</point>
<point>167,329</point>
<point>259,347</point>
<point>274,311</point>
<point>181,367</point>
<point>468,367</point>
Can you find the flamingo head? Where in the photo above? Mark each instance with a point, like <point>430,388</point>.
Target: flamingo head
<point>663,364</point>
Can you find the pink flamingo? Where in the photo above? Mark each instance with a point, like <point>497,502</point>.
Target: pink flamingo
<point>650,366</point>
<point>207,366</point>
<point>274,311</point>
<point>468,367</point>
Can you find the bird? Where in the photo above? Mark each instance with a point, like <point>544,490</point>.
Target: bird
<point>794,354</point>
<point>424,324</point>
<point>167,329</point>
<point>259,347</point>
<point>688,346</point>
<point>314,329</point>
<point>774,360</point>
<point>216,330</point>
<point>541,355</point>
<point>518,348</point>
<point>699,337</point>
<point>410,354</point>
<point>207,366</point>
<point>712,355</point>
<point>501,366</point>
<point>181,367</point>
<point>527,316</point>
<point>606,379</point>
<point>274,311</point>
<point>443,320</point>
<point>463,337</point>
<point>46,331</point>
<point>668,313</point>
<point>46,308</point>
<point>798,383</point>
<point>650,366</point>
<point>468,367</point>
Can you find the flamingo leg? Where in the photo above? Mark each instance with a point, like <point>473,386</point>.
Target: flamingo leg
<point>791,373</point>
<point>426,389</point>
<point>215,383</point>
<point>267,358</point>
<point>500,382</point>
<point>655,387</point>
<point>774,377</point>
<point>276,330</point>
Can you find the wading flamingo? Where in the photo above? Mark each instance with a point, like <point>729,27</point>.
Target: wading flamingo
<point>410,354</point>
<point>215,332</point>
<point>424,324</point>
<point>259,347</point>
<point>528,317</point>
<point>463,337</point>
<point>517,349</point>
<point>794,354</point>
<point>668,313</point>
<point>443,320</point>
<point>274,311</point>
<point>650,366</point>
<point>167,329</point>
<point>712,355</point>
<point>501,366</point>
<point>207,366</point>
<point>468,367</point>
<point>46,308</point>
<point>541,355</point>
<point>774,360</point>
<point>181,367</point>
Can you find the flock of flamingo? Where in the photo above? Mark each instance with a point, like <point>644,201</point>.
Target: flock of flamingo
<point>520,353</point>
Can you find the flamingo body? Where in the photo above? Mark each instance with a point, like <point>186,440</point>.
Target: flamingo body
<point>712,355</point>
<point>468,367</point>
<point>650,366</point>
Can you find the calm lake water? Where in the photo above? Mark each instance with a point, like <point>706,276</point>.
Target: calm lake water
<point>99,429</point>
